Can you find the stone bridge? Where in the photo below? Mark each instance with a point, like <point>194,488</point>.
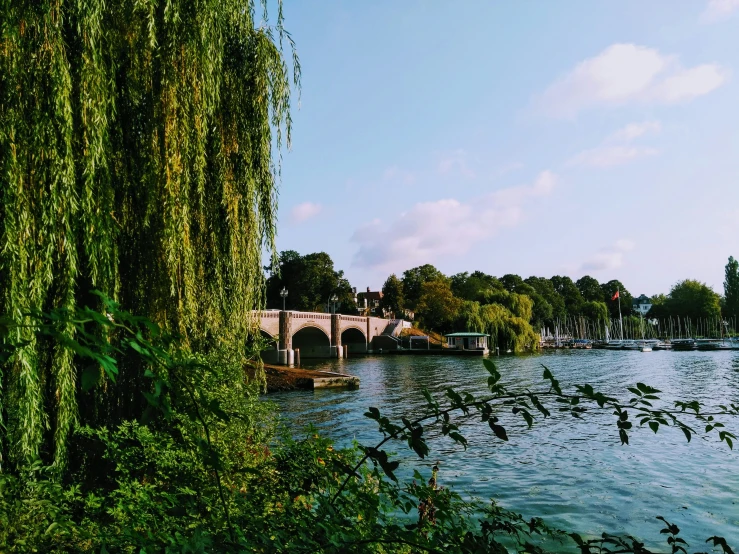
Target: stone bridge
<point>321,335</point>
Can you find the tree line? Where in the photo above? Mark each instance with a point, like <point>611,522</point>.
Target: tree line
<point>510,308</point>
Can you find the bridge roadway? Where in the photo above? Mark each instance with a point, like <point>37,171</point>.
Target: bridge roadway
<point>321,335</point>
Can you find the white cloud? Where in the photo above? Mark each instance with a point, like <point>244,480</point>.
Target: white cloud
<point>608,258</point>
<point>626,73</point>
<point>432,230</point>
<point>716,10</point>
<point>635,130</point>
<point>456,162</point>
<point>305,211</point>
<point>610,156</point>
<point>617,149</point>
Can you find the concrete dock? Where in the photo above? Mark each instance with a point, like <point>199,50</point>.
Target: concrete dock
<point>281,378</point>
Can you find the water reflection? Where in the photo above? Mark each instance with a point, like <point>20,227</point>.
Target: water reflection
<point>575,475</point>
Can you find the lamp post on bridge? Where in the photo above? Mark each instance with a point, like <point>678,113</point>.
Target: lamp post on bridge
<point>283,294</point>
<point>334,299</point>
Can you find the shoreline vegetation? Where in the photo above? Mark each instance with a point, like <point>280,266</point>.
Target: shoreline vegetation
<point>140,146</point>
<point>514,311</point>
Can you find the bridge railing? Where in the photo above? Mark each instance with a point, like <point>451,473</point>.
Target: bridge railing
<point>354,318</point>
<point>270,313</point>
<point>310,315</point>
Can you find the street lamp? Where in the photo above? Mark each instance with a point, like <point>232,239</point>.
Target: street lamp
<point>334,299</point>
<point>283,294</point>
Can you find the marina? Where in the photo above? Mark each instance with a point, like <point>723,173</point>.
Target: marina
<point>645,345</point>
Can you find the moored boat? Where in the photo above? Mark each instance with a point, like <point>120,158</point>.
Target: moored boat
<point>707,344</point>
<point>683,344</point>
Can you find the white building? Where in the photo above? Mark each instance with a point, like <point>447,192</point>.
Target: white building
<point>641,305</point>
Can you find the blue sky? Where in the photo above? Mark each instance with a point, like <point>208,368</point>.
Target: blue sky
<point>536,138</point>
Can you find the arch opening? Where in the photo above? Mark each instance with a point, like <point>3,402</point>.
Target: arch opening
<point>355,341</point>
<point>269,354</point>
<point>312,342</point>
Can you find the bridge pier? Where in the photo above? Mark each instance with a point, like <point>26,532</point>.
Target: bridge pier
<point>335,335</point>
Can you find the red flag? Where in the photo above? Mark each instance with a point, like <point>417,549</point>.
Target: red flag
<point>615,295</point>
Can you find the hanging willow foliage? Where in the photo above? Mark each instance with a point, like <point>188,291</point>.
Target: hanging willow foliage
<point>136,157</point>
<point>507,329</point>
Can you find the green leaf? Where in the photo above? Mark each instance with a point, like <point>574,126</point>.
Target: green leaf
<point>456,437</point>
<point>490,366</point>
<point>151,399</point>
<point>720,541</point>
<point>499,431</point>
<point>90,377</point>
<point>216,410</point>
<point>686,432</point>
<point>654,426</point>
<point>646,389</point>
<point>623,436</point>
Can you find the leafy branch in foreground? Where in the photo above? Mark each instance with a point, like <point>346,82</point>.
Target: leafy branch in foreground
<point>526,404</point>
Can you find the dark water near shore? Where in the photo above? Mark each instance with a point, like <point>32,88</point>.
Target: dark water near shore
<point>574,474</point>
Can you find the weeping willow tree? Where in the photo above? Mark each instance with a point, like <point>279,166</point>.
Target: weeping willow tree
<point>507,328</point>
<point>139,144</point>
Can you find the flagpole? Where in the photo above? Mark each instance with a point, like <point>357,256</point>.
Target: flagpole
<point>620,319</point>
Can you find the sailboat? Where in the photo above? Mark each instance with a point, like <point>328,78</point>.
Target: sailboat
<point>645,346</point>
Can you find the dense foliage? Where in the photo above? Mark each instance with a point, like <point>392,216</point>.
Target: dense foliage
<point>310,282</point>
<point>393,300</point>
<point>136,153</point>
<point>731,289</point>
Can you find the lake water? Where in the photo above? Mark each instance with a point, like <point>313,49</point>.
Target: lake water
<point>574,474</point>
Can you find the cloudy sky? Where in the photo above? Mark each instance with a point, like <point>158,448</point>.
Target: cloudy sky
<point>536,138</point>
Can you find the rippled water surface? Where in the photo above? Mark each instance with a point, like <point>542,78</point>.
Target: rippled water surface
<point>574,474</point>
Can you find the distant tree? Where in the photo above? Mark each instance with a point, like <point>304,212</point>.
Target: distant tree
<point>459,285</point>
<point>693,299</point>
<point>542,311</point>
<point>554,299</point>
<point>570,293</point>
<point>589,288</point>
<point>624,298</point>
<point>437,306</point>
<point>414,278</point>
<point>731,288</point>
<point>519,305</point>
<point>659,306</point>
<point>595,311</point>
<point>392,295</point>
<point>511,282</point>
<point>284,275</point>
<point>473,287</point>
<point>311,281</point>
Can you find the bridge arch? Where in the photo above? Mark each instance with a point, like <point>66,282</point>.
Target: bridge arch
<point>312,341</point>
<point>269,354</point>
<point>355,339</point>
